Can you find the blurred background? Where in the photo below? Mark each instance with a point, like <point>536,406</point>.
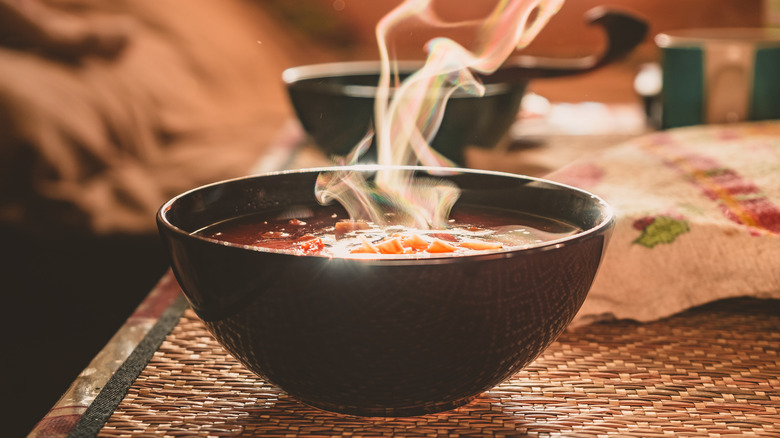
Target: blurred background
<point>108,109</point>
<point>348,27</point>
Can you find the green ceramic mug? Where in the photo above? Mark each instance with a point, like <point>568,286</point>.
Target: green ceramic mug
<point>720,75</point>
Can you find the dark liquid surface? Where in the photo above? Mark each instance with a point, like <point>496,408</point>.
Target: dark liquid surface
<point>315,230</point>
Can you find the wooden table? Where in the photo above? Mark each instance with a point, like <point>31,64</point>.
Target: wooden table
<point>711,371</point>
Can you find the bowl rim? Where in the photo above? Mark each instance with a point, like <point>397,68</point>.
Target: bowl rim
<point>604,226</point>
<point>294,77</point>
<point>698,37</point>
<point>341,68</point>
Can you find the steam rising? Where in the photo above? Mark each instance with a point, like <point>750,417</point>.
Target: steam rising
<point>406,123</point>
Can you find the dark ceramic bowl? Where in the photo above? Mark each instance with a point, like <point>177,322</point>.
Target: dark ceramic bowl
<point>335,102</point>
<point>335,105</point>
<point>387,337</point>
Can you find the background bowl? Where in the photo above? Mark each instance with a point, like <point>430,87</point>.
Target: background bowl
<point>385,336</point>
<point>335,105</point>
<point>335,102</point>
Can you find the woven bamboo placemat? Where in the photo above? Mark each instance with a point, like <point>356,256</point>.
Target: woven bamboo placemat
<point>709,371</point>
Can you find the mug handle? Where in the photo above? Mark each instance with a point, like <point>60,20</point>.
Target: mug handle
<point>624,32</point>
<point>728,80</point>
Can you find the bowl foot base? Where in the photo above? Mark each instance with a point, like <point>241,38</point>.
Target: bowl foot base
<point>405,411</point>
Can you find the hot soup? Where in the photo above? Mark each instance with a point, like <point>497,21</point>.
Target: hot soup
<point>328,231</point>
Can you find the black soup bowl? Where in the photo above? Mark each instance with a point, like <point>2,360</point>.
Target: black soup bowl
<point>334,102</point>
<point>385,336</point>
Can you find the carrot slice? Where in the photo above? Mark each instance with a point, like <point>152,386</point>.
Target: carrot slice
<point>366,247</point>
<point>438,246</point>
<point>390,246</point>
<point>415,242</point>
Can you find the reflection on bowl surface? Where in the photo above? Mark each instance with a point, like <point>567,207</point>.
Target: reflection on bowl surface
<point>387,337</point>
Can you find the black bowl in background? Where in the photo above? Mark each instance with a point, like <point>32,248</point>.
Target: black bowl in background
<point>385,337</point>
<point>335,102</point>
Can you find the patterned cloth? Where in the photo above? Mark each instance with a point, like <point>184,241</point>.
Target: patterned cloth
<point>698,219</point>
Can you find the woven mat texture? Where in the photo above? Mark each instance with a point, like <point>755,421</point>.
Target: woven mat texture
<point>712,371</point>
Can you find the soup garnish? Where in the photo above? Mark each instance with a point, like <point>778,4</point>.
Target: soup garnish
<point>328,231</point>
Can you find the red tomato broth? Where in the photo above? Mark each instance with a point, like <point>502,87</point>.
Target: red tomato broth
<point>327,231</point>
